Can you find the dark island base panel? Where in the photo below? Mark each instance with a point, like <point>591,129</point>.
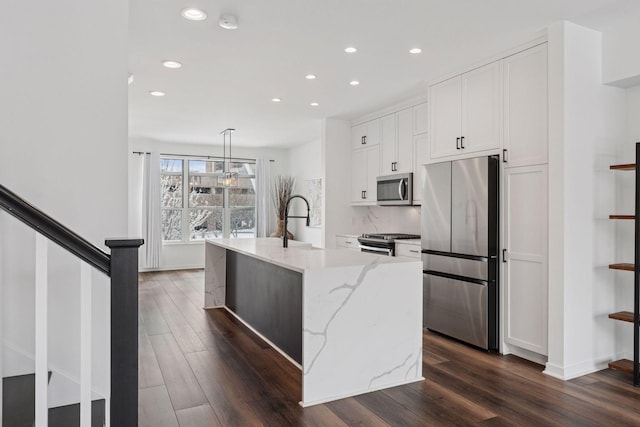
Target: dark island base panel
<point>267,297</point>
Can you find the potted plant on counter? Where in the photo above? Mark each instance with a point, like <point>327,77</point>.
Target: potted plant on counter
<point>282,190</point>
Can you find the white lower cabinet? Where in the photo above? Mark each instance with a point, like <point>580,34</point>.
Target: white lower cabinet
<point>408,250</point>
<point>347,242</point>
<point>525,259</point>
<point>365,168</point>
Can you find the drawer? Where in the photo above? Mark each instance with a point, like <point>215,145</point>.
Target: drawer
<point>347,242</point>
<point>411,251</point>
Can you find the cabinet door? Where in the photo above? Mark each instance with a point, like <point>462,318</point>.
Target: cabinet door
<point>404,144</point>
<point>444,117</point>
<point>358,132</point>
<point>389,137</point>
<point>525,272</point>
<point>358,175</point>
<point>525,107</point>
<point>373,171</point>
<point>420,116</point>
<point>421,154</point>
<point>481,104</point>
<point>373,132</point>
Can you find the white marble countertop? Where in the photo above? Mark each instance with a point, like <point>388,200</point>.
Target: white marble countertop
<point>349,235</point>
<point>301,256</point>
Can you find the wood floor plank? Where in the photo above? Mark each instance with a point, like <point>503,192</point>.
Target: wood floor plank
<point>154,408</point>
<point>353,413</point>
<point>181,383</point>
<point>200,416</point>
<point>149,373</point>
<point>152,317</point>
<point>223,396</point>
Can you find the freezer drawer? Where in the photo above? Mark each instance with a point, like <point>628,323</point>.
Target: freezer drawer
<point>456,308</point>
<point>476,269</point>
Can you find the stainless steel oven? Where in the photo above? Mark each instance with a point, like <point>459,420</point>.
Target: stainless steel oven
<point>395,190</point>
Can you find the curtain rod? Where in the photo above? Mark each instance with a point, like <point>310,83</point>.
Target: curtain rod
<point>193,155</point>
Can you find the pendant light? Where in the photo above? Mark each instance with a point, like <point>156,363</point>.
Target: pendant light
<point>227,178</point>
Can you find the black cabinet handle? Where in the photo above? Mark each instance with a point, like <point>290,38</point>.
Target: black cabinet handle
<point>504,156</point>
<point>363,139</point>
<point>462,142</point>
<point>457,143</point>
<point>364,194</point>
<point>504,255</point>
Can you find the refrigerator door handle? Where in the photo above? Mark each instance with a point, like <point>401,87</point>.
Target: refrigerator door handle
<point>456,277</point>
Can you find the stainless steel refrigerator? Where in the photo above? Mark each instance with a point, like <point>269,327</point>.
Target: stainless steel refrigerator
<point>460,207</point>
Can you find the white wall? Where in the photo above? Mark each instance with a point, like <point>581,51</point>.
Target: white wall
<point>585,128</point>
<point>336,152</point>
<point>176,256</point>
<point>620,35</point>
<point>306,162</point>
<point>625,190</point>
<point>63,115</point>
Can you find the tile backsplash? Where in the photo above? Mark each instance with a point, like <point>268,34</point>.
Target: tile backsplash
<point>387,219</point>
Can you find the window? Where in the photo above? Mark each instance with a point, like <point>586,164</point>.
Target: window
<point>195,208</point>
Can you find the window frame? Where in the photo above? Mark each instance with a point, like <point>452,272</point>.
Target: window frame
<point>185,208</point>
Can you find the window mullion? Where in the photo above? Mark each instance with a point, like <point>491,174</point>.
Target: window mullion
<point>185,202</point>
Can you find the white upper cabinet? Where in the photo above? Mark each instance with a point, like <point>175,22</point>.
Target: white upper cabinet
<point>397,142</point>
<point>420,157</point>
<point>389,141</point>
<point>465,112</point>
<point>365,134</point>
<point>365,168</point>
<point>404,146</point>
<point>445,111</point>
<point>525,108</point>
<point>420,118</point>
<point>481,109</point>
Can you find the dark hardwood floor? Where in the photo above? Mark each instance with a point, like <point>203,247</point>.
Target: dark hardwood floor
<point>204,368</point>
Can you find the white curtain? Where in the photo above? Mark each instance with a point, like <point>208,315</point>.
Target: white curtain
<point>263,196</point>
<point>151,222</point>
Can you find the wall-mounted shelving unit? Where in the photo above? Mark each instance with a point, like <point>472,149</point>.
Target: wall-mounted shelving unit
<point>626,365</point>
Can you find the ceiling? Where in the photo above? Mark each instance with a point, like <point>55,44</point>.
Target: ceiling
<point>229,77</point>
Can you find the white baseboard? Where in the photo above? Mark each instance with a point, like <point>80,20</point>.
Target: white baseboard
<point>173,268</point>
<point>578,369</point>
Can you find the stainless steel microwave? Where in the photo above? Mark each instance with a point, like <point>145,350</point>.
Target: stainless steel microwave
<point>395,190</point>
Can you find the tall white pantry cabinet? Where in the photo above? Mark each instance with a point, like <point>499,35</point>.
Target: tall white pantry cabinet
<point>501,108</point>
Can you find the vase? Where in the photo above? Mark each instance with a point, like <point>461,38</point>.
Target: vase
<point>278,232</point>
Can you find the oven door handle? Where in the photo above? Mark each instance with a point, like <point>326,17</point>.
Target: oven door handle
<point>374,249</point>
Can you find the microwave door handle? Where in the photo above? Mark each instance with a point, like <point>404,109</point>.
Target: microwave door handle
<point>402,189</point>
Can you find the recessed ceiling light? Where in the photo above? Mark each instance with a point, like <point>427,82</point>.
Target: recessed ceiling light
<point>354,83</point>
<point>310,76</point>
<point>276,99</point>
<point>314,104</point>
<point>193,14</point>
<point>415,50</point>
<point>170,63</point>
<point>351,49</point>
<point>156,93</point>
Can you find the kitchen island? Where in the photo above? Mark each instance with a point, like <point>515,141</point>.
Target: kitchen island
<point>351,321</point>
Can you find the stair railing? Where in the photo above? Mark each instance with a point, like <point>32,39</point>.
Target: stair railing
<point>122,267</point>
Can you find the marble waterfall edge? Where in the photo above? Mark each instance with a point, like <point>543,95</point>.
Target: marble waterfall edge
<point>363,332</point>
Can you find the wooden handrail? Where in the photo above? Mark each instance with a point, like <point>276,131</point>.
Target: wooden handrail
<point>55,231</point>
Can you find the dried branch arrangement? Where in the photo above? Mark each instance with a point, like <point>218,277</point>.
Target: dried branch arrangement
<point>282,190</point>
